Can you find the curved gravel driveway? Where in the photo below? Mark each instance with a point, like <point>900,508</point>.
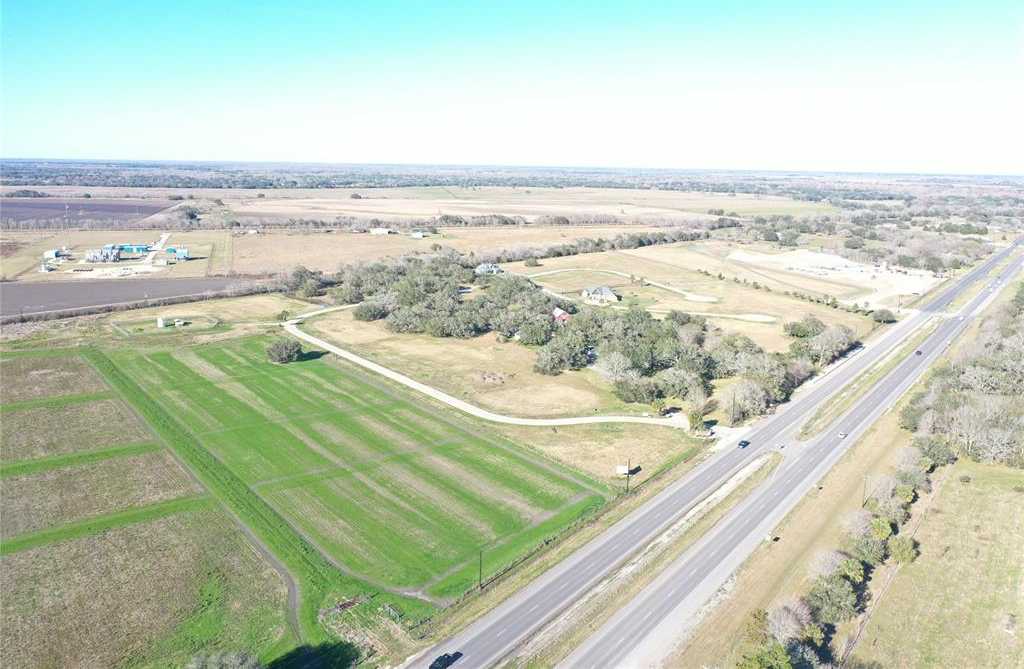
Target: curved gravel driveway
<point>677,421</point>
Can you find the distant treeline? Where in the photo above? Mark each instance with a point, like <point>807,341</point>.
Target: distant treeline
<point>838,189</point>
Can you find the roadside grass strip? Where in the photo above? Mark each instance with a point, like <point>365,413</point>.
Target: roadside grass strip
<point>23,467</point>
<point>96,525</point>
<point>317,578</point>
<point>56,402</point>
<point>393,491</point>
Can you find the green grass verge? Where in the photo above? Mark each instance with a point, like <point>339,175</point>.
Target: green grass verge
<point>56,402</point>
<point>96,525</point>
<point>23,467</point>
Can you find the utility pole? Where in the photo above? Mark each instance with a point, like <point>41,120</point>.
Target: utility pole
<point>629,471</point>
<point>480,572</point>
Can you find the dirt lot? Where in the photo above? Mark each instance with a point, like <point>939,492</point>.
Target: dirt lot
<point>59,496</point>
<point>881,286</point>
<point>214,592</point>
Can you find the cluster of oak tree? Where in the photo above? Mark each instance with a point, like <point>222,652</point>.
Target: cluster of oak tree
<point>974,406</point>
<point>647,360</point>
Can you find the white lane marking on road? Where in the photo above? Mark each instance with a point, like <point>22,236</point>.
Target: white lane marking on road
<point>500,632</point>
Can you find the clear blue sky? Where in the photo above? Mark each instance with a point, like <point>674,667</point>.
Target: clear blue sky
<point>861,86</point>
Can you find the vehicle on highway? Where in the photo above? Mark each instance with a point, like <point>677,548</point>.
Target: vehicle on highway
<point>446,660</point>
<point>842,435</point>
<point>744,443</point>
<point>918,352</point>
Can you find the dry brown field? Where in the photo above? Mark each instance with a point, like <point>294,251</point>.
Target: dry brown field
<point>282,251</point>
<point>735,307</point>
<point>34,377</point>
<point>49,431</point>
<point>59,496</point>
<point>54,595</point>
<point>427,202</point>
<point>496,376</point>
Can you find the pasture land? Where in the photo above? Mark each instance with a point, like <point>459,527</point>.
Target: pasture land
<point>500,377</point>
<point>394,493</point>
<point>495,375</point>
<point>282,251</point>
<point>32,377</point>
<point>164,590</point>
<point>41,500</point>
<point>97,516</point>
<point>427,202</point>
<point>960,602</point>
<point>62,429</point>
<point>733,306</point>
<point>530,203</point>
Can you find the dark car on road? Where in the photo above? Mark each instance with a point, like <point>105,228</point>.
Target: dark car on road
<point>446,660</point>
<point>744,443</point>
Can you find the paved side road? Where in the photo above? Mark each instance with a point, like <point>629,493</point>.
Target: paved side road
<point>492,637</point>
<point>292,327</point>
<point>645,630</point>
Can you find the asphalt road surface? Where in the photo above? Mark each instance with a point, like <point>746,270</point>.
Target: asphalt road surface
<point>33,297</point>
<point>613,645</point>
<point>492,637</point>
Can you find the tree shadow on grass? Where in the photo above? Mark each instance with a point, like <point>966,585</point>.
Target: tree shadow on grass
<point>308,356</point>
<point>337,655</point>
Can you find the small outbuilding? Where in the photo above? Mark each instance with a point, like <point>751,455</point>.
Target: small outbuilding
<point>599,295</point>
<point>381,231</point>
<point>560,315</point>
<point>160,322</point>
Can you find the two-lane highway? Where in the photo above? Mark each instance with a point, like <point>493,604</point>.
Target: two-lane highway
<point>493,636</point>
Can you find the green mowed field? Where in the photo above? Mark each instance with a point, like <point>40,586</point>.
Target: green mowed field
<point>393,492</point>
<point>110,553</point>
<point>961,603</point>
